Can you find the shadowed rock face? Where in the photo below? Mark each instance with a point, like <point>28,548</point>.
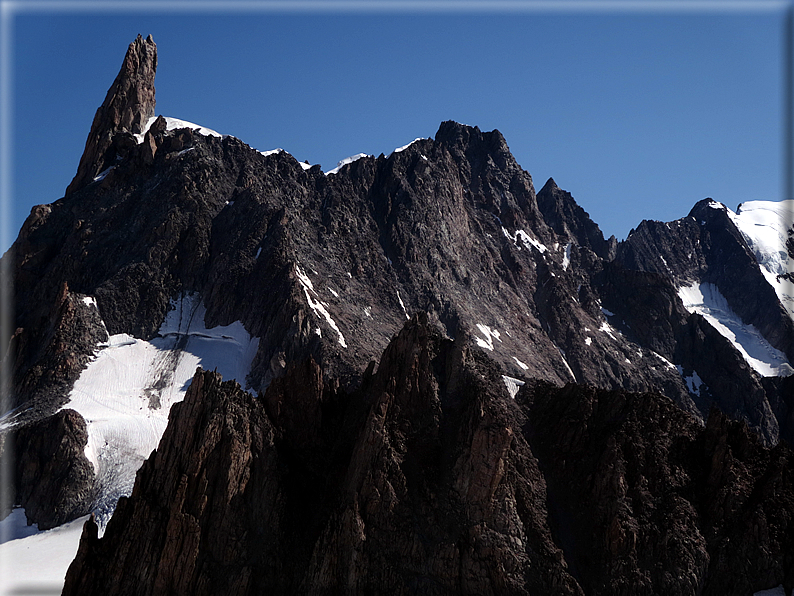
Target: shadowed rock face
<point>53,477</point>
<point>645,500</point>
<point>430,479</point>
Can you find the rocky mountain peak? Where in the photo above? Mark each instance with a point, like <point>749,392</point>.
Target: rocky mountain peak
<point>457,136</point>
<point>568,219</point>
<point>128,106</point>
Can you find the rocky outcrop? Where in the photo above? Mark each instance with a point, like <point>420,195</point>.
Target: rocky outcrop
<point>49,351</point>
<point>204,517</point>
<point>53,479</point>
<point>644,500</point>
<point>568,219</point>
<point>127,108</point>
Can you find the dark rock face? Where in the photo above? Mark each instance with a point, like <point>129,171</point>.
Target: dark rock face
<point>644,500</point>
<point>567,218</point>
<point>204,515</point>
<point>431,488</point>
<point>437,484</point>
<point>50,350</point>
<point>54,480</point>
<point>127,107</point>
<point>707,247</point>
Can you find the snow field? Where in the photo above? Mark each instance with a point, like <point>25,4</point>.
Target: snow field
<point>706,300</point>
<point>37,564</point>
<point>765,226</point>
<point>126,392</point>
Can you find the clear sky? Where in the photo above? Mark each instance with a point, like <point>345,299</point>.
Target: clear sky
<point>639,114</point>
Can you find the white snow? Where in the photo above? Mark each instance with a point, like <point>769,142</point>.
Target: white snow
<point>346,161</point>
<point>566,259</point>
<point>302,164</point>
<point>407,316</point>
<point>37,564</point>
<point>526,239</point>
<point>127,390</point>
<point>333,292</point>
<point>706,300</point>
<point>15,526</point>
<point>319,308</point>
<point>258,252</point>
<point>765,226</point>
<point>693,380</point>
<point>175,123</point>
<point>588,340</point>
<point>103,173</point>
<point>489,334</point>
<point>608,313</point>
<point>404,147</point>
<point>521,364</point>
<point>513,385</point>
<point>565,361</point>
<point>608,329</point>
<point>667,363</point>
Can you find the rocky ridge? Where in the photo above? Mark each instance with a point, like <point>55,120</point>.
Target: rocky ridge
<point>323,269</point>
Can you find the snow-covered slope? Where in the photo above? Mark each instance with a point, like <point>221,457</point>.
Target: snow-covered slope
<point>706,300</point>
<point>36,562</point>
<point>765,226</point>
<point>126,392</point>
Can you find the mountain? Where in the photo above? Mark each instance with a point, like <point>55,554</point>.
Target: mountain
<point>416,374</point>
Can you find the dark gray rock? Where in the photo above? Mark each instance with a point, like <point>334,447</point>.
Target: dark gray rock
<point>54,481</point>
<point>127,107</point>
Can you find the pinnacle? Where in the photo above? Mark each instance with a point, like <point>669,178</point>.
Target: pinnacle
<point>128,105</point>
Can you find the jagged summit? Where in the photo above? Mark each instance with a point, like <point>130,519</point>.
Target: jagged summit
<point>128,106</point>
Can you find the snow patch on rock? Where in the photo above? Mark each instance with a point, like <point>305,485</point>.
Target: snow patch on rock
<point>489,335</point>
<point>347,160</point>
<point>319,307</point>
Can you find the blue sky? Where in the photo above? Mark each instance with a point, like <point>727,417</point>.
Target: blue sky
<point>639,114</point>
